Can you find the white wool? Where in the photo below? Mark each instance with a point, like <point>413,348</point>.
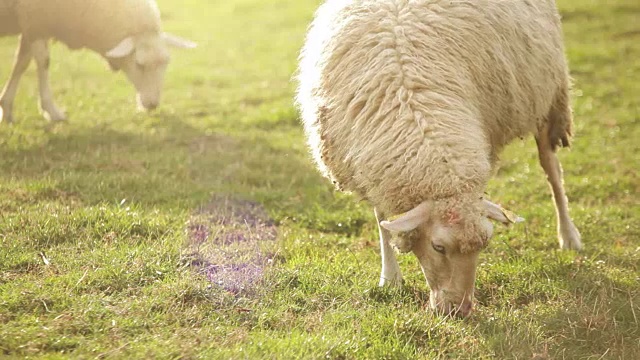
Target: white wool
<point>96,24</point>
<point>405,101</point>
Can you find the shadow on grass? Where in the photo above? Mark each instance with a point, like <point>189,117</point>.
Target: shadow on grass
<point>93,183</point>
<point>168,163</point>
<point>162,162</point>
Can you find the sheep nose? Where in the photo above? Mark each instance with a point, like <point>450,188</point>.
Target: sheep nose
<point>147,103</point>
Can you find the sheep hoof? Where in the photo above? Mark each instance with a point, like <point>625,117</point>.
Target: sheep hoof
<point>54,115</point>
<point>6,116</point>
<point>569,237</point>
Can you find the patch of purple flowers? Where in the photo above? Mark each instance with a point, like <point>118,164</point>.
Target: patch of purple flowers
<point>230,242</point>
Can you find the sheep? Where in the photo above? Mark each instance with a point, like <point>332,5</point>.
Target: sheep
<point>408,103</point>
<point>125,32</point>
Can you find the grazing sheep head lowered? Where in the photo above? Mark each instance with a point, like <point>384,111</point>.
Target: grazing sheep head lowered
<point>447,239</point>
<point>409,104</point>
<point>144,59</point>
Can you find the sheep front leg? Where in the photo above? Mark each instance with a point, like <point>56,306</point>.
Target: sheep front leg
<point>568,234</point>
<point>48,108</point>
<point>390,275</point>
<point>8,94</point>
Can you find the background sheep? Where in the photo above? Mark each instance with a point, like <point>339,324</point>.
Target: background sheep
<point>126,32</point>
<point>408,103</point>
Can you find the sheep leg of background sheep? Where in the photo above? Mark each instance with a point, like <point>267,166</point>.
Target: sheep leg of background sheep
<point>22,59</point>
<point>40,51</point>
<point>390,274</point>
<point>568,234</point>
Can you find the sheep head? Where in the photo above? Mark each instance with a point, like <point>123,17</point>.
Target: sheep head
<point>144,59</point>
<point>447,238</point>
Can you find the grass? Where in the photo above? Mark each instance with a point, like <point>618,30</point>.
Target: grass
<point>204,231</point>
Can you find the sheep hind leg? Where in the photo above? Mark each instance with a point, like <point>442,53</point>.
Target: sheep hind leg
<point>48,108</point>
<point>390,274</point>
<point>8,94</point>
<point>568,234</point>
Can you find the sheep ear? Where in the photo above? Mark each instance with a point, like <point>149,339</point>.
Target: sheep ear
<point>409,220</point>
<point>497,213</point>
<point>178,42</point>
<point>124,48</point>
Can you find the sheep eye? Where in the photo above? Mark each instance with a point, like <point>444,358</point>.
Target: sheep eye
<point>438,248</point>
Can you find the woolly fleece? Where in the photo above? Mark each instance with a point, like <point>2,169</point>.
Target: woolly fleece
<point>406,101</point>
<point>96,24</point>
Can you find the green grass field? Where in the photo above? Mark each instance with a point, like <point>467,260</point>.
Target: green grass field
<point>204,230</point>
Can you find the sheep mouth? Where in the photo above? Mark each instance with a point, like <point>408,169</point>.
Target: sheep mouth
<point>444,307</point>
<point>146,105</point>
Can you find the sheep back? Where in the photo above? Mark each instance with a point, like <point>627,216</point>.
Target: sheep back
<point>8,20</point>
<point>96,24</point>
<point>404,101</point>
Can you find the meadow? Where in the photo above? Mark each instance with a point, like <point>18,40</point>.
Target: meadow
<point>203,230</point>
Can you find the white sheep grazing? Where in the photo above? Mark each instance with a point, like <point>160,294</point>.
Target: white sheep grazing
<point>408,104</point>
<point>126,32</point>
